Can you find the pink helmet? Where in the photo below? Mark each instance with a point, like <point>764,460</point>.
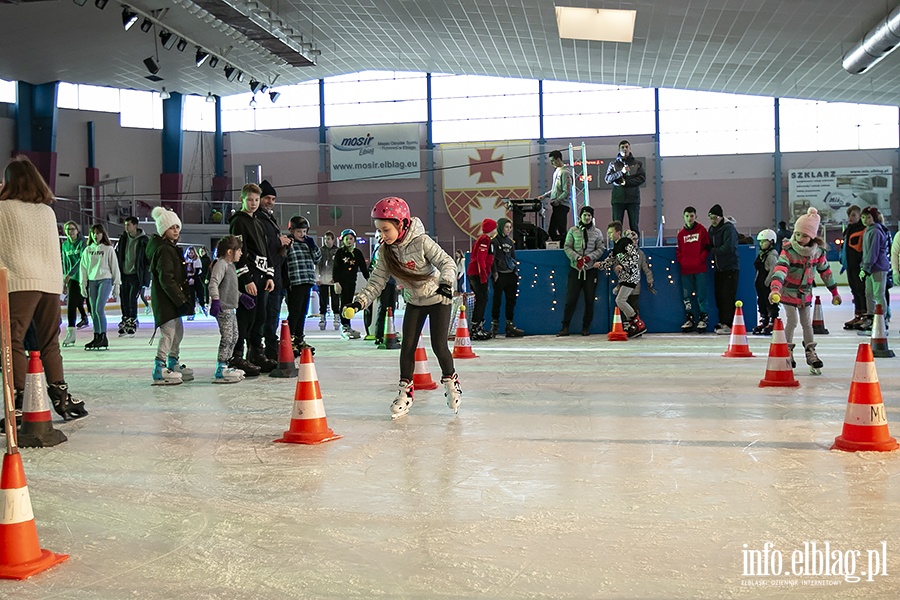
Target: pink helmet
<point>391,208</point>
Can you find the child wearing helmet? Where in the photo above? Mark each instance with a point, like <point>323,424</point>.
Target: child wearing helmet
<point>348,261</point>
<point>301,258</point>
<point>635,298</point>
<point>427,275</point>
<point>765,267</point>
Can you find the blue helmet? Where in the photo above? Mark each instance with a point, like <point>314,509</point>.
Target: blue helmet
<point>347,232</point>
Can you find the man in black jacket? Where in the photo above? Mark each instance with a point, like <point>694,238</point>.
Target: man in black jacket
<point>131,251</point>
<point>626,175</point>
<point>275,247</point>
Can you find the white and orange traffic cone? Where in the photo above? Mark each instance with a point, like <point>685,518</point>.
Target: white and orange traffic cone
<point>618,332</point>
<point>422,376</point>
<point>737,344</point>
<point>818,320</point>
<point>391,340</point>
<point>879,341</point>
<point>21,555</point>
<point>37,427</point>
<point>462,347</point>
<point>779,372</point>
<point>308,422</point>
<point>865,422</point>
<point>287,367</point>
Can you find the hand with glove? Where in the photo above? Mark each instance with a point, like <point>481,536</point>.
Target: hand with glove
<point>351,309</point>
<point>446,290</point>
<point>582,262</point>
<point>248,301</point>
<point>862,275</point>
<point>215,307</point>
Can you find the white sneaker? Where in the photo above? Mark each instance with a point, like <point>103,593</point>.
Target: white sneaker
<point>452,391</point>
<point>400,407</point>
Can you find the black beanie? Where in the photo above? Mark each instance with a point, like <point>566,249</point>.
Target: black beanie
<point>588,209</point>
<point>267,189</point>
<point>717,210</point>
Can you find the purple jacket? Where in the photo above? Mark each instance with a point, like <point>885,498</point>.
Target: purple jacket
<point>876,249</point>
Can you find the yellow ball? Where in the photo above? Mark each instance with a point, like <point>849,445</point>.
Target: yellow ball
<point>739,304</point>
<point>776,298</point>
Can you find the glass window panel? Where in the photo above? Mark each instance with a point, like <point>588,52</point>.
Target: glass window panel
<point>375,97</point>
<point>588,110</point>
<point>238,120</point>
<point>810,125</point>
<point>8,91</point>
<point>96,98</point>
<point>67,95</point>
<point>476,130</point>
<point>199,115</point>
<point>140,109</point>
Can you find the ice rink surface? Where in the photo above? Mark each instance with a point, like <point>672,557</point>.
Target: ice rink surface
<point>576,468</point>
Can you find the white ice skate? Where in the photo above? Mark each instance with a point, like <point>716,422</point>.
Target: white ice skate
<point>400,407</point>
<point>452,391</point>
<point>228,375</point>
<point>164,376</point>
<point>70,337</point>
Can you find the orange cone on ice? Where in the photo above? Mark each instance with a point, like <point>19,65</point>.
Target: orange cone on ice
<point>865,422</point>
<point>462,347</point>
<point>618,332</point>
<point>286,365</point>
<point>818,321</point>
<point>308,422</point>
<point>21,555</point>
<point>737,345</point>
<point>779,372</point>
<point>879,341</point>
<point>422,376</point>
<point>391,341</point>
<point>37,427</point>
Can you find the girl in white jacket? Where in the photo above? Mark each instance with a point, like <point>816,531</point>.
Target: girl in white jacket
<point>99,279</point>
<point>427,275</point>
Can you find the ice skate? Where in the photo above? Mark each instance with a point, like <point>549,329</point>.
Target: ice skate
<point>513,331</point>
<point>479,333</point>
<point>82,323</point>
<point>768,329</point>
<point>337,325</point>
<point>354,334</point>
<point>854,322</point>
<point>688,325</point>
<point>702,323</point>
<point>226,374</point>
<point>400,407</point>
<point>495,328</point>
<point>452,391</point>
<point>173,365</point>
<point>66,406</point>
<point>130,327</point>
<point>345,333</point>
<point>70,337</point>
<point>636,328</point>
<point>19,401</point>
<point>761,328</point>
<point>322,323</point>
<point>163,375</point>
<point>122,327</point>
<point>245,366</point>
<point>793,362</point>
<point>812,359</point>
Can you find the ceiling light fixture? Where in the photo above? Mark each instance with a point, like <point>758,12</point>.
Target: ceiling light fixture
<point>273,96</point>
<point>167,39</point>
<point>253,101</point>
<point>164,95</point>
<point>181,45</point>
<point>254,86</point>
<point>101,4</point>
<point>146,25</point>
<point>201,56</point>
<point>230,72</point>
<point>596,24</point>
<point>240,76</point>
<point>214,62</point>
<point>129,18</point>
<point>210,97</point>
<point>880,41</point>
<point>151,65</point>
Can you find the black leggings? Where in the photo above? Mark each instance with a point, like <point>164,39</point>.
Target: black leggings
<point>439,324</point>
<point>75,302</point>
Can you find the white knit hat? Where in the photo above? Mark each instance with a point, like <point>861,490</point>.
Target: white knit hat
<point>164,219</point>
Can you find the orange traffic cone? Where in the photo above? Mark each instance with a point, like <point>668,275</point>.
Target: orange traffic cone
<point>618,332</point>
<point>37,428</point>
<point>819,319</point>
<point>286,365</point>
<point>21,555</point>
<point>737,345</point>
<point>462,347</point>
<point>308,422</point>
<point>865,422</point>
<point>879,336</point>
<point>391,341</point>
<point>422,376</point>
<point>779,372</point>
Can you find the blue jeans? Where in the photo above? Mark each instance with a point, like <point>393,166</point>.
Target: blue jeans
<point>694,284</point>
<point>98,294</point>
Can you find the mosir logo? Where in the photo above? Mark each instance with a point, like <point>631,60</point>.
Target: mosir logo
<point>816,563</point>
<point>351,144</point>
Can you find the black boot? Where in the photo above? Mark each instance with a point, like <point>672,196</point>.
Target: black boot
<point>102,342</point>
<point>258,358</point>
<point>93,344</point>
<point>68,407</point>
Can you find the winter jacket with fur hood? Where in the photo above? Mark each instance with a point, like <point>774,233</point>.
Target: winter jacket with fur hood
<point>420,254</point>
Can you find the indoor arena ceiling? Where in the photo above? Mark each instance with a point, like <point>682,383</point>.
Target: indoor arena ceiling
<point>783,48</point>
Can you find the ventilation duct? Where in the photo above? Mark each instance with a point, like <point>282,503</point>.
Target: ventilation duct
<point>875,46</point>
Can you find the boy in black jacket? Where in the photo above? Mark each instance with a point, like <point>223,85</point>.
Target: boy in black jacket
<point>255,280</point>
<point>348,261</point>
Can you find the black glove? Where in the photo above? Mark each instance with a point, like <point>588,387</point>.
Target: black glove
<point>445,290</point>
<point>310,242</point>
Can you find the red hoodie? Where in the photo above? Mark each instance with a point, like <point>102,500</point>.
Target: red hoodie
<point>693,249</point>
<point>481,259</point>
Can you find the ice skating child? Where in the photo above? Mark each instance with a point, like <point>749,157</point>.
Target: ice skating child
<point>427,275</point>
<point>224,297</point>
<point>172,297</point>
<point>481,262</point>
<point>875,264</point>
<point>348,261</point>
<point>765,266</point>
<point>302,256</point>
<point>100,278</point>
<point>505,273</point>
<point>325,282</point>
<point>792,282</point>
<point>624,260</point>
<point>72,249</point>
<point>635,298</point>
<point>692,256</point>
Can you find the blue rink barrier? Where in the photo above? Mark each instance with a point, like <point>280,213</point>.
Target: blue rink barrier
<point>543,276</point>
